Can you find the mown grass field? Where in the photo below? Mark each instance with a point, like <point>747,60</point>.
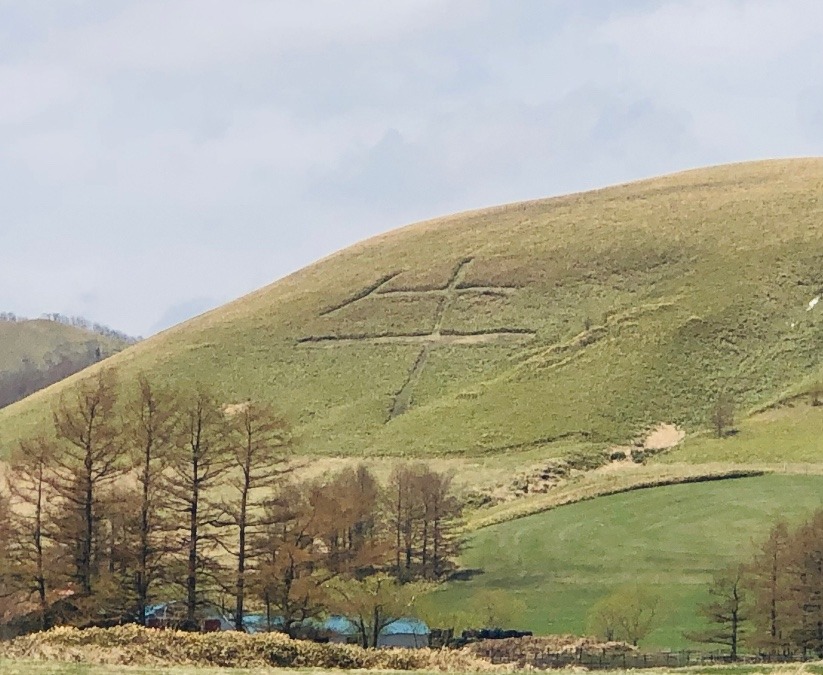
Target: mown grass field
<point>672,539</point>
<point>584,318</point>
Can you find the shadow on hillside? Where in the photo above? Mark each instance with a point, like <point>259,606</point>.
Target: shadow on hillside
<point>465,575</point>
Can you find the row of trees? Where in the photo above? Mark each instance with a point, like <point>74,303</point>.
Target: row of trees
<point>166,494</point>
<point>773,603</point>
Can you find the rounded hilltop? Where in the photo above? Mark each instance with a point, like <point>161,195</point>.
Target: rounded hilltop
<point>585,318</point>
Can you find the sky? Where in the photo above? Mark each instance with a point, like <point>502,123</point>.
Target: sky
<point>162,157</point>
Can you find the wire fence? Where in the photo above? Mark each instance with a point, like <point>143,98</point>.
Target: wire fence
<point>610,660</point>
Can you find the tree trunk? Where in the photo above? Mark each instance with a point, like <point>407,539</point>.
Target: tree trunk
<point>88,528</point>
<point>735,622</point>
<point>241,548</point>
<point>38,548</point>
<point>364,636</point>
<point>375,627</point>
<point>191,572</point>
<point>436,548</point>
<point>398,528</point>
<point>424,551</point>
<point>142,572</point>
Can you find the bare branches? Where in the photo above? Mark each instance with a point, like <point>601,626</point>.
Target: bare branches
<point>198,464</point>
<point>90,459</point>
<point>145,493</point>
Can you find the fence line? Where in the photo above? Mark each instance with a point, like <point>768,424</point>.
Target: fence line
<point>631,660</point>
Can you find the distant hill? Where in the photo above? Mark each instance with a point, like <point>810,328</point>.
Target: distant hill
<point>37,353</point>
<point>585,319</point>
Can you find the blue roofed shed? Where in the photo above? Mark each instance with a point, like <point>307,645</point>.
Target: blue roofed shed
<point>409,633</point>
<point>406,632</point>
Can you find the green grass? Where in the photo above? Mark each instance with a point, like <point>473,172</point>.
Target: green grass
<point>786,435</point>
<point>561,562</point>
<point>688,284</point>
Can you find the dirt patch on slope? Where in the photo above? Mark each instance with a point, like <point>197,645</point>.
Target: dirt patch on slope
<point>664,437</point>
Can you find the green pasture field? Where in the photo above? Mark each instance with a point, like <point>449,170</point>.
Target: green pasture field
<point>672,539</point>
<point>587,318</point>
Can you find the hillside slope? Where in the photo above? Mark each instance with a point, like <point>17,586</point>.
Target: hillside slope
<point>584,318</point>
<point>37,353</point>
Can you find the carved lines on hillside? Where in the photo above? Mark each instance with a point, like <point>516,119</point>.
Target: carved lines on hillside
<point>454,286</point>
<point>437,337</point>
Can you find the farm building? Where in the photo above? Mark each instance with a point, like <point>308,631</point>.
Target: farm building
<point>210,618</point>
<point>407,633</point>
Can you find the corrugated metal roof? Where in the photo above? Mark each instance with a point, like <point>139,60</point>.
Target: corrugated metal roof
<point>405,626</point>
<point>338,624</point>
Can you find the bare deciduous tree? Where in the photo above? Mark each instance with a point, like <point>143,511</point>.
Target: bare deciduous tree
<point>88,460</point>
<point>199,465</point>
<point>30,495</point>
<point>259,441</point>
<point>347,516</point>
<point>291,575</point>
<point>722,414</point>
<point>149,427</point>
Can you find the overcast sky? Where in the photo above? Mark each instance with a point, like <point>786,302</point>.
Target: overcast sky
<point>160,157</point>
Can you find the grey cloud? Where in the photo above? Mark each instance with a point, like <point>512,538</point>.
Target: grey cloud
<point>810,115</point>
<point>183,310</point>
<point>174,149</point>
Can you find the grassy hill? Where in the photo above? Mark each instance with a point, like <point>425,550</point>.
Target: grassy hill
<point>35,353</point>
<point>588,318</point>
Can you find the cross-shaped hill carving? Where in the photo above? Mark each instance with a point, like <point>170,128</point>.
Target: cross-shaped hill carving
<point>431,340</point>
